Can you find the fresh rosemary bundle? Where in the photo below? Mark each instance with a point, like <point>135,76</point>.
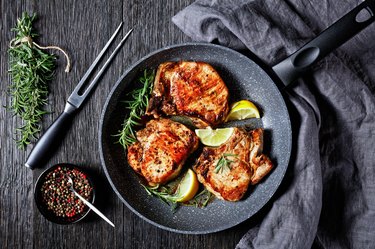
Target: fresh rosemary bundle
<point>30,70</point>
<point>137,106</point>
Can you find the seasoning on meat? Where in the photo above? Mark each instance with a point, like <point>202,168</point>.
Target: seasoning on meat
<point>191,89</point>
<point>161,150</point>
<point>245,165</point>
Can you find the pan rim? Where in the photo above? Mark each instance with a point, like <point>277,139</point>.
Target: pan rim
<point>101,150</point>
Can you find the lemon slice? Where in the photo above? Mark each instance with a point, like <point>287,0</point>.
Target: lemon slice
<point>215,137</point>
<point>188,187</point>
<point>243,109</point>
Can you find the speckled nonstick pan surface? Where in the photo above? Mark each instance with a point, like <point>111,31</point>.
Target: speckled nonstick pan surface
<point>245,80</point>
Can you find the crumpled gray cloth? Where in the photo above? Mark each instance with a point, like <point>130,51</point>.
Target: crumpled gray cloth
<point>327,199</point>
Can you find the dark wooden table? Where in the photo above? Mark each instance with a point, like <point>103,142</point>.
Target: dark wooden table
<point>82,28</point>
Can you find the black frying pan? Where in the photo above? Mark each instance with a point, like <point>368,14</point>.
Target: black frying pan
<point>245,80</point>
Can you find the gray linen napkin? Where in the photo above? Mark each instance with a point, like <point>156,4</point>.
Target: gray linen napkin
<point>327,199</point>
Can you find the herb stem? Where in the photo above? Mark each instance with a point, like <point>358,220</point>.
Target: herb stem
<point>163,194</point>
<point>30,70</point>
<point>224,162</point>
<point>137,106</point>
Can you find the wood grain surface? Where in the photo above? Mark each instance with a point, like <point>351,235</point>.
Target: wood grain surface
<point>82,27</point>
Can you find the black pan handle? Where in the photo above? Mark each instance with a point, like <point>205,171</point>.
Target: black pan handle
<point>334,36</point>
<point>51,139</point>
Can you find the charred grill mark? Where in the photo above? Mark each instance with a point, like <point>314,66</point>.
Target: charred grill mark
<point>191,89</point>
<point>170,65</point>
<point>155,103</point>
<point>192,140</point>
<point>171,136</point>
<point>205,173</point>
<point>222,115</point>
<point>163,147</point>
<point>207,153</point>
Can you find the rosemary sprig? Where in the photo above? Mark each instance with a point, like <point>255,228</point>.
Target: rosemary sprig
<point>30,70</point>
<point>137,108</point>
<point>224,162</point>
<point>164,194</point>
<point>201,199</point>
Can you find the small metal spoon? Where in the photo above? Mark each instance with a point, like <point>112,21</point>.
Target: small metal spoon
<point>70,181</point>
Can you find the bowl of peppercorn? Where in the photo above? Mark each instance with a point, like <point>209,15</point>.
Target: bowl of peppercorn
<point>54,198</point>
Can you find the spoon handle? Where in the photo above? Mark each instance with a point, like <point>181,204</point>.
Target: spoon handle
<point>94,208</point>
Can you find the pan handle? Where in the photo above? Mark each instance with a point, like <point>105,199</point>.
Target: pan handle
<point>334,36</point>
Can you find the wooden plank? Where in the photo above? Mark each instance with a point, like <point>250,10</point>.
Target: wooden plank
<point>16,192</point>
<point>82,28</point>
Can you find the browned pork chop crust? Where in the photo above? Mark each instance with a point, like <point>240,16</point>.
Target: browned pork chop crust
<point>248,165</point>
<point>161,150</point>
<point>260,163</point>
<point>191,89</point>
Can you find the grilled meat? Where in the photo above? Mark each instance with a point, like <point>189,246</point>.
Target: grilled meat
<point>227,183</point>
<point>191,89</point>
<point>260,163</point>
<point>246,165</point>
<point>161,150</point>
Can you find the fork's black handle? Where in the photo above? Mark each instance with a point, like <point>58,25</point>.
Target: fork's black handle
<point>341,31</point>
<point>48,143</point>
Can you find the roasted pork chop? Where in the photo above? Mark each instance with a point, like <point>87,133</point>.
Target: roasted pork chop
<point>161,150</point>
<point>259,162</point>
<point>191,89</point>
<point>245,165</point>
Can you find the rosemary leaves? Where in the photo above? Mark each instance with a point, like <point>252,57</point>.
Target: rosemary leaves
<point>224,162</point>
<point>30,70</point>
<point>165,194</point>
<point>137,106</point>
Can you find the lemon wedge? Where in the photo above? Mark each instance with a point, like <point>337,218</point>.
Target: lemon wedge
<point>188,187</point>
<point>215,137</point>
<point>243,109</point>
